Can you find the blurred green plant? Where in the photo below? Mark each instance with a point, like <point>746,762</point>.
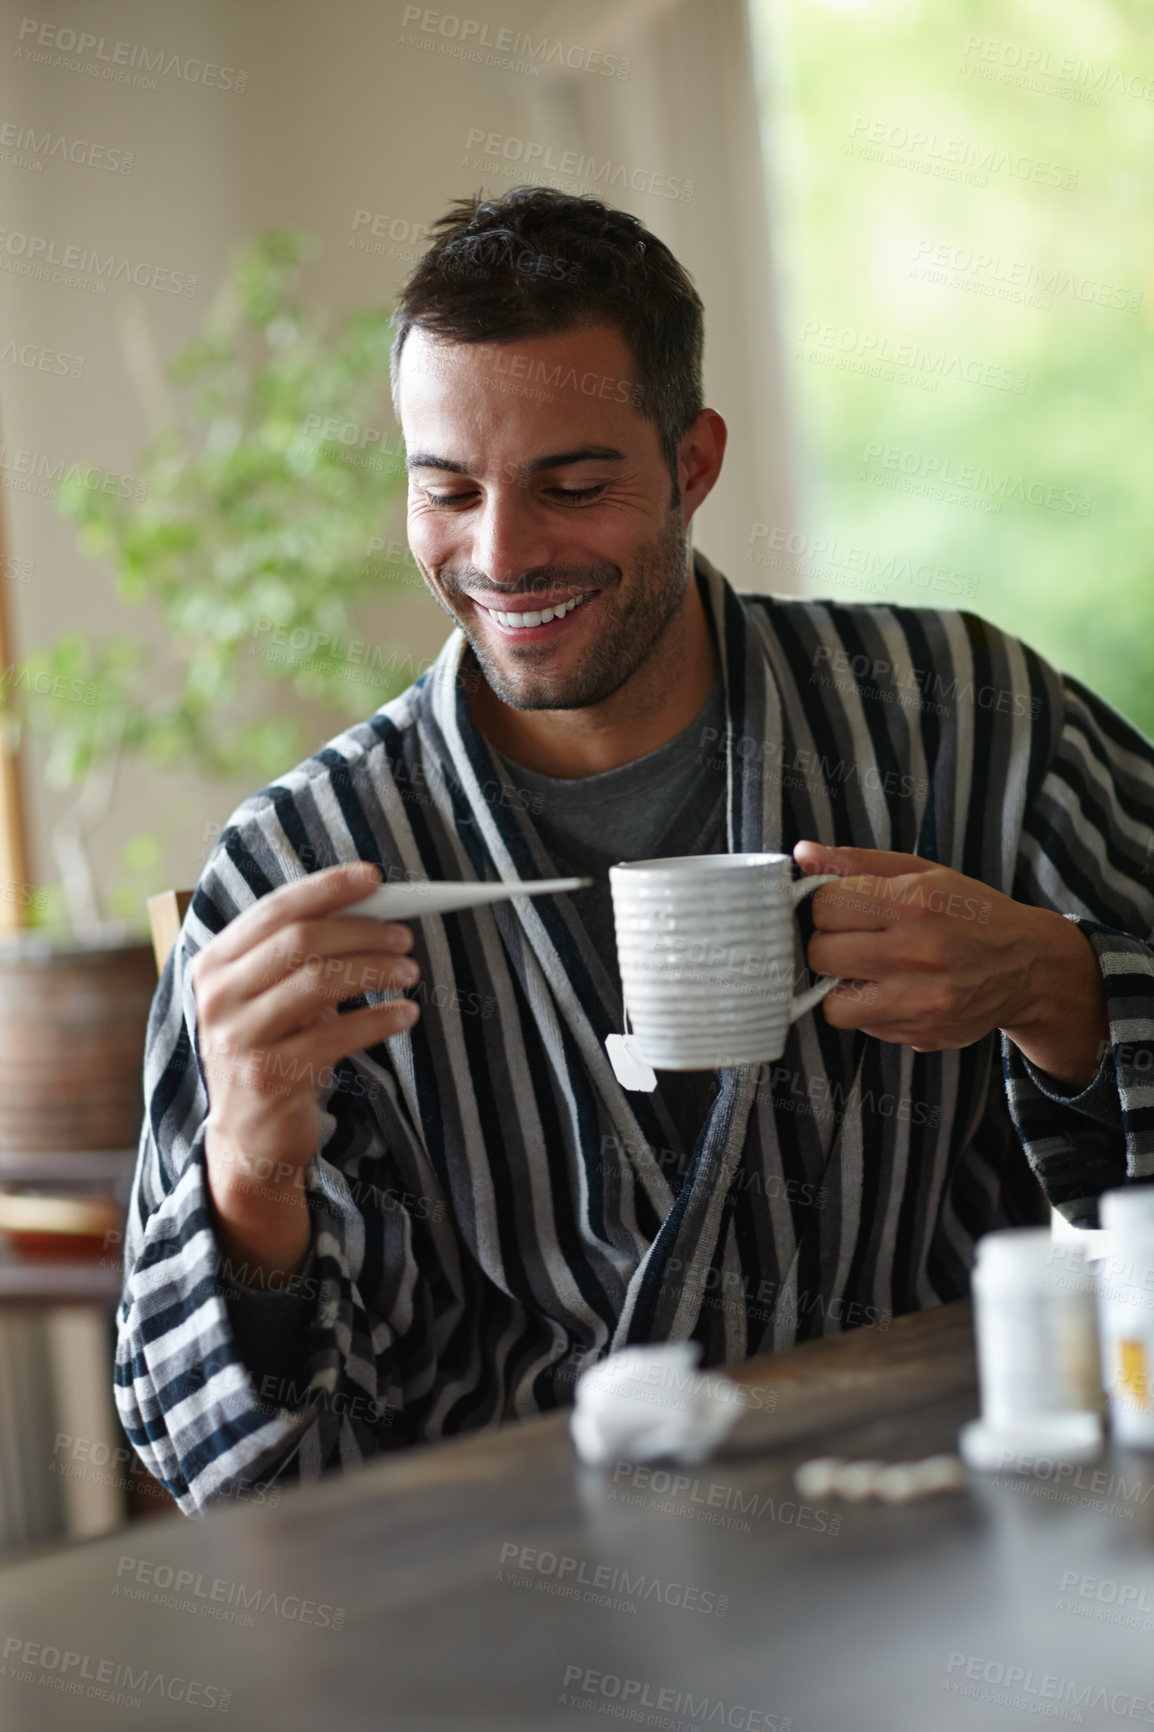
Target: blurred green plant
<point>248,535</point>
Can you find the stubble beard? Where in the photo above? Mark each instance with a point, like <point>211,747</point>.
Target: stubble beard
<point>634,613</point>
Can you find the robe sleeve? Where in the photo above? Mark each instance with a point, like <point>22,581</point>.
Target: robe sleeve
<point>209,1426</point>
<point>1087,851</point>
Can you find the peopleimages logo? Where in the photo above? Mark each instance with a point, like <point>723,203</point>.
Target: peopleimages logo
<point>471,34</point>
<point>121,62</point>
<point>214,1597</point>
<point>29,255</point>
<point>1030,65</point>
<point>714,1502</point>
<point>936,261</point>
<point>574,165</point>
<point>1108,1600</point>
<point>554,1570</point>
<point>855,565</point>
<point>63,687</point>
<point>37,472</point>
<point>24,147</point>
<point>593,1691</point>
<point>870,351</point>
<point>1012,1686</point>
<point>37,358</point>
<point>946,472</point>
<point>101,1678</point>
<point>950,157</point>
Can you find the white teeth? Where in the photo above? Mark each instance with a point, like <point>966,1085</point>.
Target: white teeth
<point>518,621</point>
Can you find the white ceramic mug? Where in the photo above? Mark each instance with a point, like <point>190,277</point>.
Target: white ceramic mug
<point>705,943</point>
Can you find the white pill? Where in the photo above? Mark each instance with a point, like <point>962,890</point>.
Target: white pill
<point>897,1483</point>
<point>939,1473</point>
<point>814,1480</point>
<point>857,1480</point>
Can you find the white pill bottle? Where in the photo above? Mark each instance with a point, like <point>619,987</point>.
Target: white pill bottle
<point>1126,1313</point>
<point>1037,1328</point>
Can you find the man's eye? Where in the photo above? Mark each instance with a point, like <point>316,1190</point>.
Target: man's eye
<point>449,499</point>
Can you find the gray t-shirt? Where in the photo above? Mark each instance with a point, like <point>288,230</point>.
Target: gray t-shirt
<point>671,801</point>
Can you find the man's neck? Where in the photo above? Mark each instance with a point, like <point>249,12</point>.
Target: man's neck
<point>658,702</point>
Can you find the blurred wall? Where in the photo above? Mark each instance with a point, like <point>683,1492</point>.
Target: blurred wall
<point>282,112</point>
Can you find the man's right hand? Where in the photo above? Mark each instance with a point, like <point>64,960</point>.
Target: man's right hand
<point>267,990</point>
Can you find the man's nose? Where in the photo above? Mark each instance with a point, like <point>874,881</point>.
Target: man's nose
<point>509,538</point>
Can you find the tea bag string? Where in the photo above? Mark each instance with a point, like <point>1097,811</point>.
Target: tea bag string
<point>716,616</point>
<point>730,849</point>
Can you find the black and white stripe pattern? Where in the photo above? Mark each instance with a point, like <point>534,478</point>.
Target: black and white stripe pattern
<point>845,1184</point>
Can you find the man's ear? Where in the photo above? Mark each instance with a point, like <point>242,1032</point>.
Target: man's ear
<point>699,459</point>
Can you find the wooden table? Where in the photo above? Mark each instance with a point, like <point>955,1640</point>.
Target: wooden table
<point>493,1583</point>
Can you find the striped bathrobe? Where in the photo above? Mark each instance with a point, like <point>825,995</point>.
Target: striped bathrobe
<point>492,1211</point>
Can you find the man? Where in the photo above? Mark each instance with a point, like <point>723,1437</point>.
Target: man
<point>361,1221</point>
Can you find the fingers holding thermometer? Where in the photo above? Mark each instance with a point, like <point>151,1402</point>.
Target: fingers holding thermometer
<point>267,990</point>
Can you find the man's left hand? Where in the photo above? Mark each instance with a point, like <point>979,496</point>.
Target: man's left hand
<point>934,960</point>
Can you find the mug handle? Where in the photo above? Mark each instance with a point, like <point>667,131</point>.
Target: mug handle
<point>804,1001</point>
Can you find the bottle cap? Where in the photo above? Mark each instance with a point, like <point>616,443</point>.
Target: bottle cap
<point>1130,1209</point>
<point>1032,1447</point>
<point>1031,1257</point>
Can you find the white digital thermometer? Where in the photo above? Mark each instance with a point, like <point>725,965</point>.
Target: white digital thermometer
<point>440,896</point>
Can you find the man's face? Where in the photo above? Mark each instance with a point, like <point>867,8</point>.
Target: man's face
<point>534,483</point>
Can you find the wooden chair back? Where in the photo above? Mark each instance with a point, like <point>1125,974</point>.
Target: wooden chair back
<point>165,916</point>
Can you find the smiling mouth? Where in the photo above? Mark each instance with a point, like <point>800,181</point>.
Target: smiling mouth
<point>539,617</point>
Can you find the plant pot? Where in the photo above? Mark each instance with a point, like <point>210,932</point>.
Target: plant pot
<point>73,1017</point>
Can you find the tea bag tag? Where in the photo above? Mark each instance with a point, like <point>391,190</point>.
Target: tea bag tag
<point>630,1069</point>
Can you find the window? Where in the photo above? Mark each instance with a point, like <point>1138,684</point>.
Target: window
<point>964,227</point>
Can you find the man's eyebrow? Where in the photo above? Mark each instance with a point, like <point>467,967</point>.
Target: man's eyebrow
<point>555,460</point>
<point>426,460</point>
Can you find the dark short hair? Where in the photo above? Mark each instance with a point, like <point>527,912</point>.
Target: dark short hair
<point>535,262</point>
